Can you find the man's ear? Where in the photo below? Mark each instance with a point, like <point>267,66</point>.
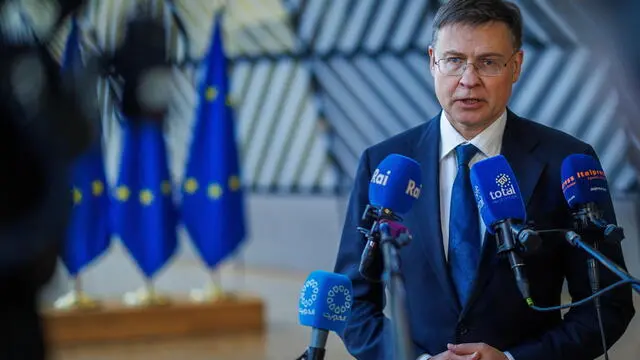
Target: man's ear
<point>432,60</point>
<point>518,59</point>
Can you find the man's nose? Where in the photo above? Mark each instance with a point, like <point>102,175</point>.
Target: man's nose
<point>470,77</point>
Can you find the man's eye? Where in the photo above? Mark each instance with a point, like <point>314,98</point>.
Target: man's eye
<point>489,62</point>
<point>454,60</point>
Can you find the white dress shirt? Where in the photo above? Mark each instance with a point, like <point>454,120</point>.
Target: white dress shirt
<point>489,142</point>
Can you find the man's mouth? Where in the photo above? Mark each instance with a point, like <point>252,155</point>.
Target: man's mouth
<point>469,101</point>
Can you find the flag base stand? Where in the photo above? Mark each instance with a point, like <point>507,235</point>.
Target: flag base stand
<point>212,291</point>
<point>178,319</point>
<point>210,294</point>
<point>145,297</point>
<point>76,300</point>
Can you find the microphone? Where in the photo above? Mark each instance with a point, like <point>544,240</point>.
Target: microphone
<point>394,186</point>
<point>324,305</point>
<point>585,188</point>
<point>503,212</point>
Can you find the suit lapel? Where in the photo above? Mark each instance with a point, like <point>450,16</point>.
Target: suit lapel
<point>517,148</point>
<point>427,207</point>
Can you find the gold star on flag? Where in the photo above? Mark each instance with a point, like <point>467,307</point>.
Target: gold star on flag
<point>211,94</point>
<point>214,191</point>
<point>122,193</point>
<point>191,186</point>
<point>229,101</point>
<point>146,197</point>
<point>234,183</point>
<point>97,188</point>
<point>77,195</point>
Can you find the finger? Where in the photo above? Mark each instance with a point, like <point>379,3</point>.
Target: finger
<point>465,349</point>
<point>453,356</point>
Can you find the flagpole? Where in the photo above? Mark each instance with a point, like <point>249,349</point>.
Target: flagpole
<point>216,291</point>
<point>205,190</point>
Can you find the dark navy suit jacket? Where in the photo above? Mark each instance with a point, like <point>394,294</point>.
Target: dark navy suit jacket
<point>496,313</point>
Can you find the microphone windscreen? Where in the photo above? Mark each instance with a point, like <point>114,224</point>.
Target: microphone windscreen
<point>496,191</point>
<point>395,184</point>
<point>583,180</point>
<point>325,301</point>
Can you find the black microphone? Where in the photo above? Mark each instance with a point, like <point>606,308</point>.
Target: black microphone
<point>144,63</point>
<point>393,188</point>
<point>503,213</point>
<point>43,127</point>
<point>371,261</point>
<point>585,188</point>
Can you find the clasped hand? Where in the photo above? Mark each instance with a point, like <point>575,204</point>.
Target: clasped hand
<point>475,351</point>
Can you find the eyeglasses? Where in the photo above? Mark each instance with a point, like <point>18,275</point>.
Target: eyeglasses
<point>456,66</point>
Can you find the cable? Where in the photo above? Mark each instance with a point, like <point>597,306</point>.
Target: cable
<point>594,278</point>
<point>585,300</point>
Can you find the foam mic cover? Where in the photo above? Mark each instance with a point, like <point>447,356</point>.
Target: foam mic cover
<point>497,192</point>
<point>395,184</point>
<point>583,180</point>
<point>325,301</point>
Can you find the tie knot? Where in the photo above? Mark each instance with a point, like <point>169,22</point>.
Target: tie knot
<point>464,153</point>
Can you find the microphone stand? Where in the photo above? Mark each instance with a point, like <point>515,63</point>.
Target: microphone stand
<point>393,279</point>
<point>586,220</point>
<point>574,239</point>
<point>316,349</point>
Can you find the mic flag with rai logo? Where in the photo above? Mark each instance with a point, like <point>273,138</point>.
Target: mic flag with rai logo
<point>212,202</point>
<point>144,213</point>
<point>88,234</point>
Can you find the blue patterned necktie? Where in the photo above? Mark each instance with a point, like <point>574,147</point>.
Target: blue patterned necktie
<point>464,227</point>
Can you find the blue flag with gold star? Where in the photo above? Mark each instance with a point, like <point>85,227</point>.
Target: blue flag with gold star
<point>88,233</point>
<point>144,213</point>
<point>212,202</point>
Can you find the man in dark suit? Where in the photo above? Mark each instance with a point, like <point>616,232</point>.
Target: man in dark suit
<point>462,299</point>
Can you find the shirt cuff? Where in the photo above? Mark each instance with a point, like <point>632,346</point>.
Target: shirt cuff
<point>509,356</point>
<point>427,357</point>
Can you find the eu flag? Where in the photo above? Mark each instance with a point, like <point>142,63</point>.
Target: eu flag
<point>88,231</point>
<point>144,214</point>
<point>212,201</point>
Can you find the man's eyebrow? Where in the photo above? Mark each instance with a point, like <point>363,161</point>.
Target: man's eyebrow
<point>453,53</point>
<point>482,55</point>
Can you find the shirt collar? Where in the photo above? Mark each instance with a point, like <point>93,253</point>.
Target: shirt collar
<point>489,141</point>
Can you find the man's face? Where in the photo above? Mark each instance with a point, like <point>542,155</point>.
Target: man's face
<point>472,100</point>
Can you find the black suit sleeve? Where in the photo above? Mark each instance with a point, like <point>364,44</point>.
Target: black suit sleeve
<point>578,337</point>
<point>367,334</point>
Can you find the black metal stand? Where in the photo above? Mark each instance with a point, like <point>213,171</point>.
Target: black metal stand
<point>312,353</point>
<point>574,239</point>
<point>393,279</point>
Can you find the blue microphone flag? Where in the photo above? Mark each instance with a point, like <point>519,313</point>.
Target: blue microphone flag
<point>496,191</point>
<point>583,180</point>
<point>325,301</point>
<point>395,184</point>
